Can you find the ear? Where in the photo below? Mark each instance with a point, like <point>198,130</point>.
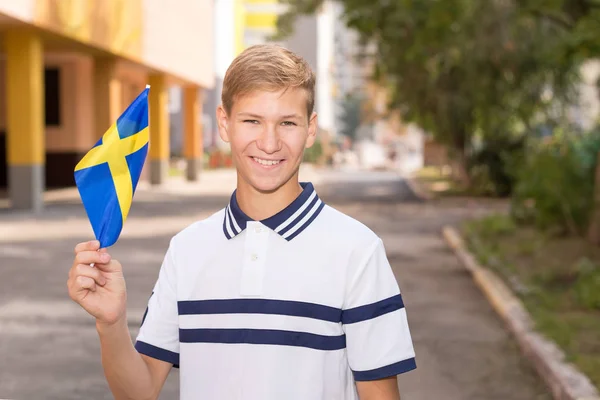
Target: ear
<point>312,130</point>
<point>223,122</point>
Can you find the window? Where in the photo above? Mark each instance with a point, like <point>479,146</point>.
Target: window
<point>52,96</point>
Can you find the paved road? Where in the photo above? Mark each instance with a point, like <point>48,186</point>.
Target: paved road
<point>48,345</point>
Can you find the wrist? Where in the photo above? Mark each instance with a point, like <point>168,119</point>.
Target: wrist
<point>106,326</point>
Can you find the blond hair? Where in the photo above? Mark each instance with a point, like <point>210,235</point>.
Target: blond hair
<point>267,67</point>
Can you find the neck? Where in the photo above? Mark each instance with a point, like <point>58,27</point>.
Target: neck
<point>262,205</point>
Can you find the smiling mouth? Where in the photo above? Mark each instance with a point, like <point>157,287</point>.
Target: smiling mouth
<point>266,163</point>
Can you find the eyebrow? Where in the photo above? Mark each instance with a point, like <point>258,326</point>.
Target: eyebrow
<point>251,115</point>
<point>245,114</point>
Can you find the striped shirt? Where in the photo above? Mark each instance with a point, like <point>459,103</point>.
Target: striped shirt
<point>300,305</point>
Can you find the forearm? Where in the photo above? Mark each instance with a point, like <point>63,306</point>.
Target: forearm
<point>382,389</point>
<point>128,375</point>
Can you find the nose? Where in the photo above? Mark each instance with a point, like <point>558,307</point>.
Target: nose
<point>269,140</point>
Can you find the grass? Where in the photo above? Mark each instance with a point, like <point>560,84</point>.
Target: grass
<point>557,278</point>
<point>439,182</point>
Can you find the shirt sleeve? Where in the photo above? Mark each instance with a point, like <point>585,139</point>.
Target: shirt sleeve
<point>159,333</point>
<point>378,339</point>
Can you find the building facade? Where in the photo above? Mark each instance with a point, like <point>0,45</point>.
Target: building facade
<point>68,69</point>
<point>243,23</point>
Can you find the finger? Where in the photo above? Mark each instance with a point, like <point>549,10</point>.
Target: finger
<point>85,283</point>
<point>94,273</point>
<point>92,245</point>
<point>112,266</point>
<point>88,257</point>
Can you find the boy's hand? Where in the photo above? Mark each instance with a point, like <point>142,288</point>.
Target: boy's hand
<point>100,289</point>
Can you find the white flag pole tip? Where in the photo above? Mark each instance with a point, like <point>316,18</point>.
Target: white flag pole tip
<point>147,86</point>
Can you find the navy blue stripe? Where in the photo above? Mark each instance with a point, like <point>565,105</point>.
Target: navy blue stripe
<point>158,353</point>
<point>146,312</point>
<point>232,225</point>
<point>260,306</point>
<point>263,336</point>
<point>225,225</point>
<point>299,217</point>
<point>387,371</point>
<point>310,220</point>
<point>276,220</point>
<point>373,310</point>
<point>240,217</point>
<point>283,215</point>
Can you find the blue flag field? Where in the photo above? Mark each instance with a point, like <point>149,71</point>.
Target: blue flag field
<point>108,174</point>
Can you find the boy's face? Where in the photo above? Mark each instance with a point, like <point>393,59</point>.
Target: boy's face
<point>268,132</point>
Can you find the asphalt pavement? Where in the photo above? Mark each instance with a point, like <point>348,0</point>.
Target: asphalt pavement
<point>49,347</point>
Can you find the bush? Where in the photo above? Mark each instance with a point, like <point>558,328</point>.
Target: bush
<point>314,153</point>
<point>492,226</point>
<point>489,166</point>
<point>555,183</point>
<point>587,286</point>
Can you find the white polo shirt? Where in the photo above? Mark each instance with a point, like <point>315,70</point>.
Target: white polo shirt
<point>297,306</point>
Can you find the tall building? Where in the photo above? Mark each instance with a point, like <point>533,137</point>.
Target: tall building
<point>243,23</point>
<point>240,24</point>
<point>259,21</point>
<point>68,69</point>
<point>332,49</point>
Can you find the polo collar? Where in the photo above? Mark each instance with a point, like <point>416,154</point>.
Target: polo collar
<point>288,223</point>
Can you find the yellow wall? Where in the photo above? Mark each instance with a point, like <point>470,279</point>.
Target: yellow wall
<point>261,20</point>
<point>115,25</point>
<point>171,37</point>
<point>76,132</point>
<point>258,21</point>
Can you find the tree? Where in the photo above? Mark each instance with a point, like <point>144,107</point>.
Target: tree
<point>457,68</point>
<point>351,115</point>
<point>579,21</point>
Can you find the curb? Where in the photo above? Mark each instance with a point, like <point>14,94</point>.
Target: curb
<point>565,381</point>
<point>418,189</point>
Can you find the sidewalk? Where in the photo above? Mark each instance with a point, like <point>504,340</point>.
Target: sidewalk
<point>49,345</point>
<point>64,216</point>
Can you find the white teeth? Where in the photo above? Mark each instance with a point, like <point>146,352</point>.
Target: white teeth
<point>265,162</point>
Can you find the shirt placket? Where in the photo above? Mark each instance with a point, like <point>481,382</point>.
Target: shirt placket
<point>255,257</point>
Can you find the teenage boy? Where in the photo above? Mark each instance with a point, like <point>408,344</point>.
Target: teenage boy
<point>276,296</point>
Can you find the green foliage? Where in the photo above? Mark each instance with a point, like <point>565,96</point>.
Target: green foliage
<point>314,153</point>
<point>492,226</point>
<point>490,165</point>
<point>587,285</point>
<point>455,67</point>
<point>579,20</point>
<point>351,115</point>
<point>556,182</point>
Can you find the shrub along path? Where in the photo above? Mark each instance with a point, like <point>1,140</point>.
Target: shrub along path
<point>557,278</point>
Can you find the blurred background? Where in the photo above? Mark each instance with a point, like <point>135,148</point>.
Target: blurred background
<point>480,115</point>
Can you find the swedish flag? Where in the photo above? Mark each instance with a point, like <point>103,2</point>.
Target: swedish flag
<point>108,174</point>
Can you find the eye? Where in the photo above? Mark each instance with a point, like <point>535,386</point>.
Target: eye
<point>288,123</point>
<point>251,121</point>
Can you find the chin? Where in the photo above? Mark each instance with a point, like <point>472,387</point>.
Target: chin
<point>267,179</point>
<point>266,185</point>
